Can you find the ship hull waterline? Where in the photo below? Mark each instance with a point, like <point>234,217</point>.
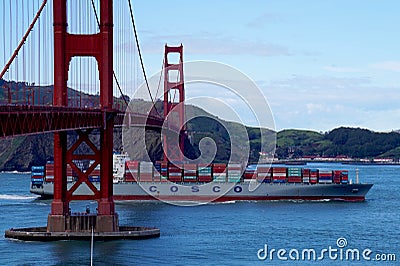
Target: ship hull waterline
<point>223,192</point>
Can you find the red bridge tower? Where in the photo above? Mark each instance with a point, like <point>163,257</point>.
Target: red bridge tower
<point>100,46</point>
<point>174,109</point>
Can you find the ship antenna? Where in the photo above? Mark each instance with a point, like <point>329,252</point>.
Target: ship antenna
<point>356,175</point>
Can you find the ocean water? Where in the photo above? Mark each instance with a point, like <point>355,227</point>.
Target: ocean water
<point>234,233</point>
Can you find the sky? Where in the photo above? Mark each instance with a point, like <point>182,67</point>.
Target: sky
<point>320,64</point>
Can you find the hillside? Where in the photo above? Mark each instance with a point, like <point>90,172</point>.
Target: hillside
<point>20,153</point>
<point>351,142</point>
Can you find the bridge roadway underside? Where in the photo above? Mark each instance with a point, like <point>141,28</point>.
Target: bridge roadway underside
<point>24,119</point>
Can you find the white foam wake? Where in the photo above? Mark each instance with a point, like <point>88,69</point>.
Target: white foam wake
<point>16,197</point>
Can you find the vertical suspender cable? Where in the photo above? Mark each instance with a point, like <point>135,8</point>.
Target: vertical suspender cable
<point>23,38</point>
<point>140,56</point>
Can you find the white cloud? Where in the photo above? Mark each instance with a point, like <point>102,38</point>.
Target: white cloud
<point>316,108</point>
<point>341,69</point>
<point>263,19</point>
<point>324,103</point>
<point>211,43</point>
<point>388,65</point>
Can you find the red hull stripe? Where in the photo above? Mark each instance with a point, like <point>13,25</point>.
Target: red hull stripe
<point>235,198</point>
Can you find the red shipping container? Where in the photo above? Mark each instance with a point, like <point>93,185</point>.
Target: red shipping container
<point>175,178</point>
<point>306,172</point>
<point>205,178</point>
<point>279,169</point>
<point>129,177</point>
<point>146,177</point>
<point>295,179</point>
<point>249,174</point>
<point>134,164</point>
<point>49,178</point>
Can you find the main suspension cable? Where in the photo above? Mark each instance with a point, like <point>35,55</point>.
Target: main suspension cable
<point>140,57</point>
<point>114,75</point>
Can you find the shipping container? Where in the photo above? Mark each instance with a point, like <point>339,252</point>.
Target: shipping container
<point>294,179</point>
<point>174,173</point>
<point>279,170</point>
<point>325,177</point>
<point>264,174</point>
<point>189,172</point>
<point>220,177</point>
<point>131,171</point>
<point>306,175</point>
<point>37,180</point>
<point>94,178</point>
<point>129,177</point>
<point>279,174</point>
<point>345,177</point>
<point>49,178</point>
<point>205,179</point>
<point>249,174</point>
<point>37,169</point>
<point>314,173</point>
<point>337,176</point>
<point>294,171</point>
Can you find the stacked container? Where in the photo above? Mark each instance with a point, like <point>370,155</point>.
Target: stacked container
<point>314,176</point>
<point>325,177</point>
<point>279,174</point>
<point>234,172</point>
<point>306,175</point>
<point>49,172</point>
<point>157,172</point>
<point>146,171</point>
<point>294,175</point>
<point>250,173</point>
<point>189,173</point>
<point>37,175</point>
<point>95,175</point>
<point>345,177</point>
<point>131,171</point>
<point>164,171</point>
<point>337,176</point>
<point>204,173</point>
<point>174,173</point>
<point>264,174</point>
<point>70,173</point>
<point>220,172</point>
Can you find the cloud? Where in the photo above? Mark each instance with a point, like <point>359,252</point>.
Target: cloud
<point>210,43</point>
<point>264,19</point>
<point>337,69</point>
<point>388,65</point>
<point>324,102</point>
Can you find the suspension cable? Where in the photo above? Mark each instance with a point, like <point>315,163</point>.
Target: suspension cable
<point>161,73</point>
<point>114,75</point>
<point>140,57</point>
<point>23,40</point>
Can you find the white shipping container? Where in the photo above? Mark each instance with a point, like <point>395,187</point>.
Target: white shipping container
<point>278,174</point>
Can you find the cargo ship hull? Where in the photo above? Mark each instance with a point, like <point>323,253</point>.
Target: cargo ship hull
<point>220,192</point>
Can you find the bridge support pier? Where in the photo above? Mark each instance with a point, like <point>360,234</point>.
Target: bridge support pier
<point>63,224</point>
<point>83,223</point>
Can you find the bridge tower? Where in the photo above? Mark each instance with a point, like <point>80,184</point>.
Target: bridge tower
<point>100,46</point>
<point>174,98</point>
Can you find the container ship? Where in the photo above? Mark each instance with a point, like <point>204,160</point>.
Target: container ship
<point>134,180</point>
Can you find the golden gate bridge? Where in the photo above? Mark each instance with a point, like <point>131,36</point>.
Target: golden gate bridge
<point>86,55</point>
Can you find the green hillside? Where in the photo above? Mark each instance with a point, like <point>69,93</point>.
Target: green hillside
<point>232,140</point>
<point>351,142</point>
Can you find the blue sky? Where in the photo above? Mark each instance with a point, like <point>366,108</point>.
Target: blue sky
<point>321,64</point>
